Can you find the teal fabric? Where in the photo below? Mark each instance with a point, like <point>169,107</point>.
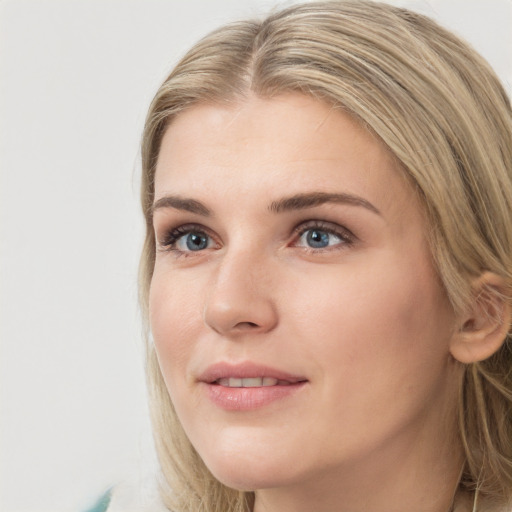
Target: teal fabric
<point>102,504</point>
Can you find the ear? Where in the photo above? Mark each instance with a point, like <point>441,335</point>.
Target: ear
<point>485,325</point>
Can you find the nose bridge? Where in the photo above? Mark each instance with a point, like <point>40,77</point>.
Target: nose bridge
<point>240,295</point>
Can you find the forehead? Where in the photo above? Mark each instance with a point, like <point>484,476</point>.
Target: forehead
<point>292,141</point>
<point>304,118</point>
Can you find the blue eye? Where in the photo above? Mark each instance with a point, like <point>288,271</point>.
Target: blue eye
<point>193,241</point>
<point>318,238</point>
<point>187,239</point>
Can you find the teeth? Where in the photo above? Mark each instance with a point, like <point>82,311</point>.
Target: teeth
<point>250,382</point>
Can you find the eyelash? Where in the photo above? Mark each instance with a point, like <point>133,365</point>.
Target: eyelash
<point>170,239</point>
<point>345,235</point>
<point>168,242</point>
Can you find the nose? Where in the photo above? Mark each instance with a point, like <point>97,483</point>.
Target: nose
<point>240,298</point>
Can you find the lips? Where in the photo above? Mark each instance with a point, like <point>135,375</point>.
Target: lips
<point>251,382</point>
<point>248,386</point>
<point>247,374</point>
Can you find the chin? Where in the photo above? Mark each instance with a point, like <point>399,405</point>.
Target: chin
<point>243,478</point>
<point>249,470</point>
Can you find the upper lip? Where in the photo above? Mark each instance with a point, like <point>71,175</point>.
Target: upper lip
<point>245,370</point>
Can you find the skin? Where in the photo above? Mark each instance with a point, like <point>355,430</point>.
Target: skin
<point>365,320</point>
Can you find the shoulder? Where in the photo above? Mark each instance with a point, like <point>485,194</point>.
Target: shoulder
<point>136,495</point>
<point>102,504</point>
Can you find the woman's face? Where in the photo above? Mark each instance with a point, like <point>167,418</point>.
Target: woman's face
<point>298,320</point>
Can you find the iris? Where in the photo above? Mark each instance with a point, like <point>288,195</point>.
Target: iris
<point>317,239</point>
<point>196,241</point>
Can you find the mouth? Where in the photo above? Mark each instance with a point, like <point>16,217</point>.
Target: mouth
<point>253,382</point>
<point>247,375</point>
<point>248,386</point>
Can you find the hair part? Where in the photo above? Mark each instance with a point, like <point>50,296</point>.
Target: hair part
<point>440,110</point>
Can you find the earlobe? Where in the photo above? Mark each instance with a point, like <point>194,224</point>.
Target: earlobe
<point>485,325</point>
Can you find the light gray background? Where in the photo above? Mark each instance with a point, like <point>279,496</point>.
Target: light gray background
<point>76,77</point>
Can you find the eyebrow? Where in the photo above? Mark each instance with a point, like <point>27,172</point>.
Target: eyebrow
<point>312,199</point>
<point>181,203</point>
<point>296,202</point>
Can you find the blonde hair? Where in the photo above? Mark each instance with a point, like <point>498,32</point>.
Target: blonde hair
<point>439,108</point>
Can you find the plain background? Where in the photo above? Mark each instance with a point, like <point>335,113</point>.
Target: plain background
<point>76,77</point>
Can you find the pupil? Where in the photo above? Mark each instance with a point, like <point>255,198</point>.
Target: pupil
<point>196,242</point>
<point>318,239</point>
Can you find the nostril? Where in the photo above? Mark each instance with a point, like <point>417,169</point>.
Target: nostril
<point>247,325</point>
<point>224,312</point>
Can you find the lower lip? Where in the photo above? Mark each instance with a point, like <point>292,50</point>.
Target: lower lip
<point>246,399</point>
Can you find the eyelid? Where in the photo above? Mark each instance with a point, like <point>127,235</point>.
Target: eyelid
<point>169,237</point>
<point>347,237</point>
<point>167,241</point>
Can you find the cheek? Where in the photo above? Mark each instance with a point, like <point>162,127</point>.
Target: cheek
<point>173,310</point>
<point>391,318</point>
<point>377,343</point>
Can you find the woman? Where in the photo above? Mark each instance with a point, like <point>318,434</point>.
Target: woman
<point>327,268</point>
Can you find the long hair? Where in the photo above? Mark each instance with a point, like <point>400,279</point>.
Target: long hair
<point>440,110</point>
